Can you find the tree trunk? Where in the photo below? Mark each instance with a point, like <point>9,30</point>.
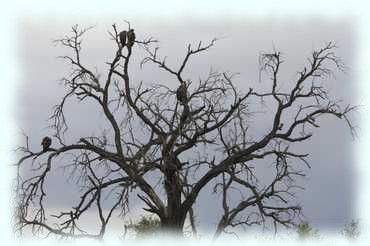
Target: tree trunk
<point>174,218</point>
<point>172,225</point>
<point>220,228</point>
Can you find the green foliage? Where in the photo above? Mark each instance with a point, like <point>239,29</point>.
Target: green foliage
<point>351,229</point>
<point>305,230</point>
<point>147,225</point>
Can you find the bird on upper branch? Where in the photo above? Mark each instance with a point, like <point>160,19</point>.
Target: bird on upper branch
<point>181,94</point>
<point>131,38</point>
<point>46,142</point>
<point>122,38</point>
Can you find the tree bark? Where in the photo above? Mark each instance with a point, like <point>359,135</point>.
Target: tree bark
<point>219,230</point>
<point>174,218</point>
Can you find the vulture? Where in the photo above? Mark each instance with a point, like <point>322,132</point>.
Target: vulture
<point>181,94</point>
<point>185,114</point>
<point>46,142</point>
<point>131,37</point>
<point>122,38</point>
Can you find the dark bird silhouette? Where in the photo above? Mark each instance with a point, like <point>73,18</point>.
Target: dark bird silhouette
<point>46,142</point>
<point>181,94</point>
<point>185,113</point>
<point>131,37</point>
<point>122,38</point>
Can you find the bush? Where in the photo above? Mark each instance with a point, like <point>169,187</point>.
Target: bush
<point>351,229</point>
<point>305,230</point>
<point>147,225</point>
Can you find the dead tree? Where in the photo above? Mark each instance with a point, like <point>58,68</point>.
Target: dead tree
<point>155,137</point>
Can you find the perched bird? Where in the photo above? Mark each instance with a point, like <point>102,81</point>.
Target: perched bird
<point>131,37</point>
<point>181,94</point>
<point>185,113</point>
<point>46,142</point>
<point>122,38</point>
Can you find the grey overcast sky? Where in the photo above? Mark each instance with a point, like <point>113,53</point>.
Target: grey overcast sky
<point>328,200</point>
